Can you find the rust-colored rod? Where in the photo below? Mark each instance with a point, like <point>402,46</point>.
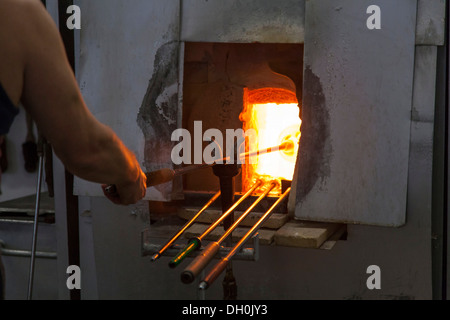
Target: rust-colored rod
<point>219,267</point>
<point>202,260</point>
<point>196,242</point>
<point>185,227</point>
<point>285,145</point>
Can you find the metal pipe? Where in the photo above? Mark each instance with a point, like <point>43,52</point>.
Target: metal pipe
<point>36,218</point>
<point>202,260</point>
<point>287,145</point>
<point>196,242</point>
<point>284,146</point>
<point>219,267</point>
<point>23,253</point>
<point>185,227</point>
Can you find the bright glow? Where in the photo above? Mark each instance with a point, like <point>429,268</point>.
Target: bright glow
<point>276,124</point>
<point>273,113</point>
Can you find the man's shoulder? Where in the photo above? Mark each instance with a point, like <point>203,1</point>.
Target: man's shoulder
<point>19,11</point>
<point>20,4</point>
<point>23,20</point>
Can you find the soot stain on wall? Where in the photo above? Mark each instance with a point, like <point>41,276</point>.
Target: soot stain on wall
<point>315,148</point>
<point>158,114</point>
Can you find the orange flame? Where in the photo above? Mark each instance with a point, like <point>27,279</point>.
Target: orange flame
<point>274,115</point>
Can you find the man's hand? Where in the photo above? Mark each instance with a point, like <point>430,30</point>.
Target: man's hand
<point>128,193</point>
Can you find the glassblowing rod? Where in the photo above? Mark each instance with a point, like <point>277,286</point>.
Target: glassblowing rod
<point>202,260</point>
<point>196,242</point>
<point>185,227</point>
<point>221,265</point>
<point>284,146</point>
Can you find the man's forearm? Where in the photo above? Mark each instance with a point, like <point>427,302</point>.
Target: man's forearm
<point>100,156</point>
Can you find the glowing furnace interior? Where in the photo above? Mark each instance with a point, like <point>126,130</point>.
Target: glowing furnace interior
<point>274,115</point>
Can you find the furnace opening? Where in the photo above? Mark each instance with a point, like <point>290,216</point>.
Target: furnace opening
<point>241,86</point>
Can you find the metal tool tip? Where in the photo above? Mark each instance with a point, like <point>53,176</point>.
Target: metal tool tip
<point>155,257</point>
<point>203,285</point>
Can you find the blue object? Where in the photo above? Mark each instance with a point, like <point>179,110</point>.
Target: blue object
<point>7,112</point>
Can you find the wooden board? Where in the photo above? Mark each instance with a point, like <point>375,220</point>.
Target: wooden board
<point>305,234</point>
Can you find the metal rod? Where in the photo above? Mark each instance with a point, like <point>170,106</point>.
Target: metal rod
<point>202,260</point>
<point>272,185</point>
<point>24,254</point>
<point>285,145</point>
<point>196,242</point>
<point>185,227</point>
<point>166,175</point>
<point>36,220</point>
<point>219,267</point>
<point>225,214</point>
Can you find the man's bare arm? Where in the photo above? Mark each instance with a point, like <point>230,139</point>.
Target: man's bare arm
<point>88,148</point>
